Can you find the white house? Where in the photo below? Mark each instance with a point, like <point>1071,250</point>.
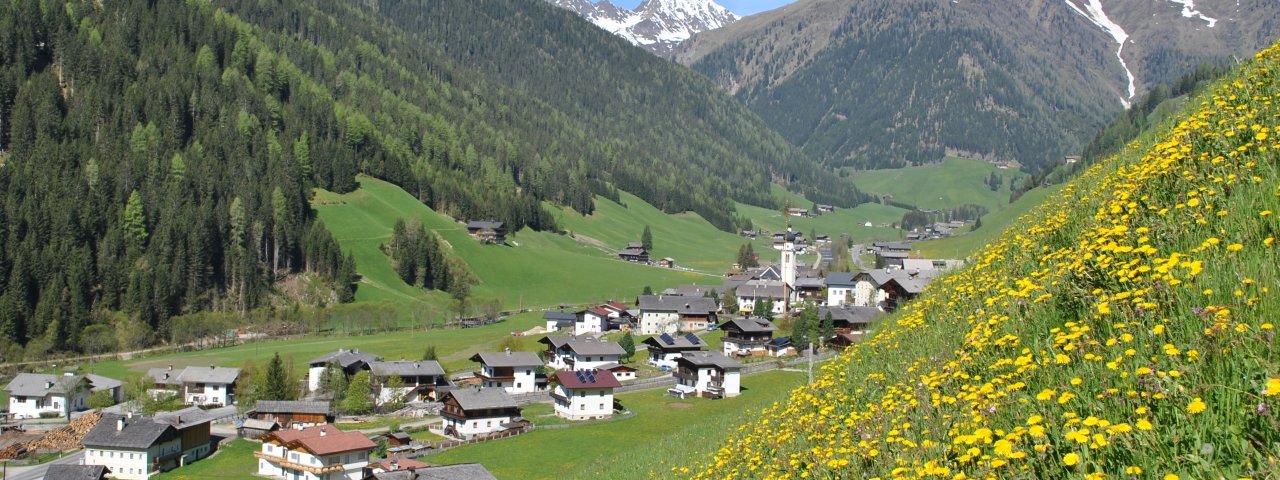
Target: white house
<point>619,371</point>
<point>584,394</point>
<point>580,353</point>
<point>315,453</point>
<point>747,336</point>
<point>668,313</point>
<point>419,379</point>
<point>665,349</point>
<point>774,291</point>
<point>31,394</point>
<point>468,412</point>
<point>209,385</point>
<point>350,361</point>
<point>840,288</point>
<point>591,320</point>
<point>560,321</point>
<point>708,374</point>
<point>517,372</point>
<point>138,447</point>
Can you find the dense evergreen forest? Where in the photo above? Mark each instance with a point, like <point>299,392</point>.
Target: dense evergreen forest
<point>157,157</point>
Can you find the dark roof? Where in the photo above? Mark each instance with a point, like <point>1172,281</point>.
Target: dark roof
<point>482,398</point>
<point>138,433</point>
<point>402,436</point>
<point>103,383</point>
<point>40,384</point>
<point>345,358</point>
<point>748,325</point>
<point>632,252</point>
<point>850,314</point>
<point>694,290</point>
<point>762,289</point>
<point>291,406</point>
<point>210,374</point>
<point>164,375</point>
<point>780,342</point>
<point>184,418</point>
<point>483,224</point>
<point>584,345</point>
<point>587,379</point>
<point>843,279</point>
<point>676,342</point>
<point>909,285</point>
<point>894,254</point>
<point>703,359</point>
<point>76,472</point>
<point>678,304</point>
<point>560,316</point>
<point>407,368</point>
<point>464,471</point>
<point>507,359</point>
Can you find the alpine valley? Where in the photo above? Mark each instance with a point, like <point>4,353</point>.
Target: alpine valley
<point>656,25</point>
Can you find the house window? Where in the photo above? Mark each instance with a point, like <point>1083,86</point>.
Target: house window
<point>517,384</point>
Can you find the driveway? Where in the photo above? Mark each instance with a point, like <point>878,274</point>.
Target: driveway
<point>37,472</point>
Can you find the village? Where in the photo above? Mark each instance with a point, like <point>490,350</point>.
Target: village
<point>585,358</point>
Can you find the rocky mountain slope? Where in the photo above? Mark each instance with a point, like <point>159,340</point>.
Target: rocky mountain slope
<point>874,83</point>
<point>656,25</point>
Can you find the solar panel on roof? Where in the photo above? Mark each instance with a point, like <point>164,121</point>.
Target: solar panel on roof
<point>581,375</point>
<point>591,377</point>
<point>693,338</point>
<point>667,339</point>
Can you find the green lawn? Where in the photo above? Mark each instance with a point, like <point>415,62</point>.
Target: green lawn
<point>954,182</point>
<point>233,460</point>
<point>663,432</point>
<point>961,246</point>
<point>566,270</point>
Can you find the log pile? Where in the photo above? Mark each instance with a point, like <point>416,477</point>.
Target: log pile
<point>67,437</point>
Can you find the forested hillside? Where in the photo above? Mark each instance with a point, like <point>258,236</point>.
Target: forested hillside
<point>156,157</point>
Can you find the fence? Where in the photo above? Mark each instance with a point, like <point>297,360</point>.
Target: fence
<point>443,445</point>
<point>646,384</point>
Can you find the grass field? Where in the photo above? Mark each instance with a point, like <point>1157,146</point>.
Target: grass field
<point>234,460</point>
<point>663,432</point>
<point>954,182</point>
<point>566,271</point>
<point>993,224</point>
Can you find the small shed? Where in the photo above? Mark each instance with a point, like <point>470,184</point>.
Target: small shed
<point>253,428</point>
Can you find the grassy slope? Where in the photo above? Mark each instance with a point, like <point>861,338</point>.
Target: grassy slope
<point>564,270</point>
<point>623,448</point>
<point>235,460</point>
<point>1124,331</point>
<point>954,182</point>
<point>993,224</point>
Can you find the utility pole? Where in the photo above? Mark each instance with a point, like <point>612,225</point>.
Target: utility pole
<point>809,351</point>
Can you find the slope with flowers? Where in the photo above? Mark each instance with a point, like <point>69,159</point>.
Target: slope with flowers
<point>1122,330</point>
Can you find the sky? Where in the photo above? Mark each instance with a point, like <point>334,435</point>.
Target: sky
<point>740,7</point>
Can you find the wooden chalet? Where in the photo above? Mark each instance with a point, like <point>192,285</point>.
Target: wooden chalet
<point>292,413</point>
<point>488,231</point>
<point>635,252</point>
<point>747,337</point>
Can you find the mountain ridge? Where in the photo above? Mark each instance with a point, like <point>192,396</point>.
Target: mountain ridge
<point>655,25</point>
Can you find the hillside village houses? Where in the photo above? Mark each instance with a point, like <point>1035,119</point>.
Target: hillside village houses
<point>664,349</point>
<point>471,412</point>
<point>314,453</point>
<point>635,252</point>
<point>32,395</point>
<point>350,361</point>
<point>593,320</point>
<point>560,321</point>
<point>747,337</point>
<point>669,314</point>
<point>580,352</point>
<point>515,372</point>
<point>488,232</point>
<point>211,385</point>
<point>295,414</point>
<point>850,323</point>
<point>138,447</point>
<point>584,394</point>
<point>419,379</point>
<point>707,374</point>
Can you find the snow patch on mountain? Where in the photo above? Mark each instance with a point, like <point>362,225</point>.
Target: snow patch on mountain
<point>656,25</point>
<point>1189,11</point>
<point>1092,10</point>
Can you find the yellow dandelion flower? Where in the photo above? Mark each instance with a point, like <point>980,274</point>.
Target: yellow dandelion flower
<point>1273,387</point>
<point>1196,406</point>
<point>1071,459</point>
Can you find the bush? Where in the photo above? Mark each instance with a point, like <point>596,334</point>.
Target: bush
<point>50,414</point>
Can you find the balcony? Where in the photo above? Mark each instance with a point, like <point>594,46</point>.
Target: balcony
<point>747,341</point>
<point>281,461</point>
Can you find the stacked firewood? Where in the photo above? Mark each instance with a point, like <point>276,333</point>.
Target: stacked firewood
<point>67,437</point>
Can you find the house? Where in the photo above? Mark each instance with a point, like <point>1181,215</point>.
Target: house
<point>34,394</point>
<point>780,347</point>
<point>667,262</point>
<point>100,383</point>
<point>708,374</point>
<point>899,290</point>
<point>350,361</point>
<point>850,323</point>
<point>254,429</point>
<point>164,381</point>
<point>137,447</point>
<point>397,439</point>
<point>418,378</point>
<point>840,288</point>
<point>516,372</point>
<point>469,412</point>
<point>931,264</point>
<point>664,349</point>
<point>635,252</point>
<point>76,472</point>
<point>890,259</point>
<point>621,372</point>
<point>759,290</point>
<point>584,394</point>
<point>810,288</point>
<point>890,247</point>
<point>592,320</point>
<point>580,353</point>
<point>747,336</point>
<point>462,471</point>
<point>798,212</point>
<point>488,231</point>
<point>826,208</point>
<point>749,233</point>
<point>693,290</point>
<point>395,464</point>
<point>560,321</point>
<point>209,385</point>
<point>669,314</point>
<point>319,452</point>
<point>292,413</point>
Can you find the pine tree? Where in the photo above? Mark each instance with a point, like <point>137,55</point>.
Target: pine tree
<point>628,344</point>
<point>275,384</point>
<point>826,329</point>
<point>357,401</point>
<point>135,222</point>
<point>430,354</point>
<point>646,238</point>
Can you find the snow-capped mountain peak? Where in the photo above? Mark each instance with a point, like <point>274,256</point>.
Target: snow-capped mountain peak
<point>656,25</point>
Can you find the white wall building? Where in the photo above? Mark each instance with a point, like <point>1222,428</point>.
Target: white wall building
<point>665,313</point>
<point>138,447</point>
<point>517,372</point>
<point>314,453</point>
<point>33,394</point>
<point>584,394</point>
<point>592,320</point>
<point>350,361</point>
<point>209,385</point>
<point>580,353</point>
<point>468,412</point>
<point>708,374</point>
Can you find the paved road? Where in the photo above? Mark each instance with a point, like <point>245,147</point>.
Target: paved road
<point>37,472</point>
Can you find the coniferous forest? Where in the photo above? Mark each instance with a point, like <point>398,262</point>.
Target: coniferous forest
<point>157,157</point>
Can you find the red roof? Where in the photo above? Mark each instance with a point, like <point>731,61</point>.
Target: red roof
<point>587,379</point>
<point>615,306</point>
<point>601,311</point>
<point>324,440</point>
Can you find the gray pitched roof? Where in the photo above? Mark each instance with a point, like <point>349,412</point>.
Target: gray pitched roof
<point>695,290</point>
<point>75,472</point>
<point>483,398</point>
<point>761,289</point>
<point>749,325</point>
<point>583,345</point>
<point>508,359</point>
<point>210,374</point>
<point>103,383</point>
<point>344,358</point>
<point>291,406</point>
<point>851,314</point>
<point>164,375</point>
<point>138,432</point>
<point>811,282</point>
<point>560,316</point>
<point>483,224</point>
<point>676,342</point>
<point>678,304</point>
<point>256,424</point>
<point>709,359</point>
<point>407,368</point>
<point>39,384</point>
<point>840,279</point>
<point>184,418</point>
<point>464,471</point>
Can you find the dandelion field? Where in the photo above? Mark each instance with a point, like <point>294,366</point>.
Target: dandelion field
<point>1124,329</point>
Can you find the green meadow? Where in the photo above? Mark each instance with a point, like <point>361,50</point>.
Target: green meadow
<point>949,184</point>
<point>993,224</point>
